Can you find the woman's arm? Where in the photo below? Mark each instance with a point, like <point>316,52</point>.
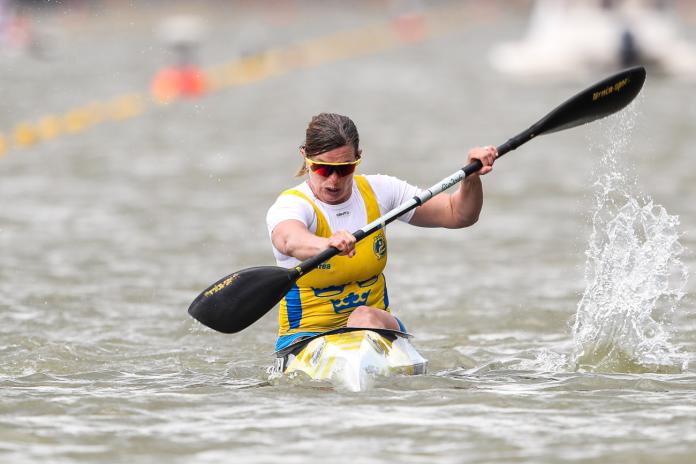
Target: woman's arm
<point>462,208</point>
<point>292,238</point>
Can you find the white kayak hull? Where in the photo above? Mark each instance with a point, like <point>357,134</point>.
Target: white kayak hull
<point>351,358</point>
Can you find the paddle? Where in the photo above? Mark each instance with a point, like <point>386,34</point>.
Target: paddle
<point>238,300</point>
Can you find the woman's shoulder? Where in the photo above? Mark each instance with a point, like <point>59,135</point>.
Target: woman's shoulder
<point>383,179</point>
<point>391,191</point>
<point>290,205</point>
<point>384,182</point>
<point>293,198</point>
<point>301,187</point>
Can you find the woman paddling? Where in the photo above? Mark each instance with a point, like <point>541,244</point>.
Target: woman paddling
<point>349,290</point>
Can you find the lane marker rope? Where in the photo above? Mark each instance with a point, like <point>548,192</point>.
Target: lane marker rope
<point>406,30</point>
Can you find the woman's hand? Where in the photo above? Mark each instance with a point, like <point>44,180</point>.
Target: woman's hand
<point>486,155</point>
<point>344,241</point>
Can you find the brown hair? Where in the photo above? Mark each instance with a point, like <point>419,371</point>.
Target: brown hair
<point>326,132</point>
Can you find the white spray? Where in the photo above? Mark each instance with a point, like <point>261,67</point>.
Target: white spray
<point>634,277</point>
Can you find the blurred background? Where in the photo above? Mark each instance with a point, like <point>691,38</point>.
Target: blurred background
<point>135,55</point>
<point>141,144</point>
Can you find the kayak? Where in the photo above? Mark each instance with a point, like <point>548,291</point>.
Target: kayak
<point>351,357</point>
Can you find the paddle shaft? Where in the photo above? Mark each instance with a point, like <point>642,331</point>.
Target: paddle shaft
<point>381,222</point>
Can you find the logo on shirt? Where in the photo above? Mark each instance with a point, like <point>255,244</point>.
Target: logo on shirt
<point>328,291</point>
<point>350,301</point>
<point>379,246</point>
<point>343,213</point>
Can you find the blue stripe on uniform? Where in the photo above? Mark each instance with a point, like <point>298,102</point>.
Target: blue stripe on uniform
<point>287,340</point>
<point>293,303</point>
<point>386,296</point>
<point>402,327</point>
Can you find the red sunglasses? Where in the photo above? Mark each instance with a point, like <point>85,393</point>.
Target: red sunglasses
<point>326,169</point>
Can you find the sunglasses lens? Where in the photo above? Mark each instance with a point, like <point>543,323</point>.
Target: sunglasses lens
<point>343,171</point>
<point>322,169</point>
<point>325,170</point>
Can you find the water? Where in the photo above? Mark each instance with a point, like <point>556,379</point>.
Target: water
<point>634,275</point>
<point>537,352</point>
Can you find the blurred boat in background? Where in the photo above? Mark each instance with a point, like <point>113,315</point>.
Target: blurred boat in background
<point>575,36</point>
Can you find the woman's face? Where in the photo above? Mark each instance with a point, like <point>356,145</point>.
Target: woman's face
<point>333,189</point>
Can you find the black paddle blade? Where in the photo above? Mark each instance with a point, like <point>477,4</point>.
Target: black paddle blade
<point>235,302</point>
<point>602,99</point>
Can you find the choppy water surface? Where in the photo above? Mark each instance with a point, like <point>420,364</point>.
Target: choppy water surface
<point>559,328</point>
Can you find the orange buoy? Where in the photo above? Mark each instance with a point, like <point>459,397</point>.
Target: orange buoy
<point>172,83</point>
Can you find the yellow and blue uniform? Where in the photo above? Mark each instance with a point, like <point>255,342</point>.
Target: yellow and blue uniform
<point>323,299</point>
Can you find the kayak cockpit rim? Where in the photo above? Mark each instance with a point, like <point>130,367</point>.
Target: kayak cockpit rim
<point>297,346</point>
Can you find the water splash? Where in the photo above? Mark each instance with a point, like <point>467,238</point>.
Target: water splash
<point>634,277</point>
